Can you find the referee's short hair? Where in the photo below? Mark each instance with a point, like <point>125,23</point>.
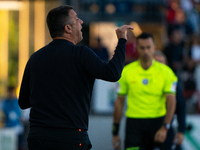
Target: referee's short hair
<point>57,18</point>
<point>145,35</point>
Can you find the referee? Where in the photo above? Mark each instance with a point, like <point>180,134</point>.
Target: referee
<point>150,89</point>
<point>58,81</point>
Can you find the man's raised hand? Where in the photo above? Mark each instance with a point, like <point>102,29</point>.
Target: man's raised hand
<point>121,31</point>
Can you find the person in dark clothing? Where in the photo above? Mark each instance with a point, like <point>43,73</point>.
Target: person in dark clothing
<point>174,51</point>
<point>180,22</point>
<point>12,115</point>
<point>180,112</point>
<point>101,50</point>
<point>58,81</point>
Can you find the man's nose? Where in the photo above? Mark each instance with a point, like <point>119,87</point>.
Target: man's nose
<point>81,21</point>
<point>145,50</point>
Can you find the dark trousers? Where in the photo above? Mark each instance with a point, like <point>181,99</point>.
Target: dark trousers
<point>41,144</point>
<point>43,138</point>
<point>169,140</point>
<point>140,134</point>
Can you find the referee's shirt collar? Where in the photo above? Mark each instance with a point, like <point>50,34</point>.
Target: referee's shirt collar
<point>153,62</point>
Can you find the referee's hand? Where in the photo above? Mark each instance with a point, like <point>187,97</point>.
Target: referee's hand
<point>116,142</point>
<point>121,31</point>
<point>161,135</point>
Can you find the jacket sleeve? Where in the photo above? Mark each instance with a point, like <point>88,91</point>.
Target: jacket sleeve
<point>99,69</point>
<point>25,89</point>
<point>180,109</point>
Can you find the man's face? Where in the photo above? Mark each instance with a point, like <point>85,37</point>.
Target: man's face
<point>76,26</point>
<point>160,59</point>
<point>177,36</point>
<point>145,48</point>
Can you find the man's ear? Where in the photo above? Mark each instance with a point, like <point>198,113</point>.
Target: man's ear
<point>68,28</point>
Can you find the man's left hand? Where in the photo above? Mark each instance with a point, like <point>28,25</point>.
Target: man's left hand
<point>179,136</point>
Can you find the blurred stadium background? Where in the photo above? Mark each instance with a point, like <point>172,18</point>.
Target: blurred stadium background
<point>23,31</point>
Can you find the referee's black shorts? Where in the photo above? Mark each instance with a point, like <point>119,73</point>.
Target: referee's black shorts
<point>140,134</point>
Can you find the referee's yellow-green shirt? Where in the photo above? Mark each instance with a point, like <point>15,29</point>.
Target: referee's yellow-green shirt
<point>146,89</point>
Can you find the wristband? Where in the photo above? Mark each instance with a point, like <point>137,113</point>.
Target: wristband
<point>167,125</point>
<point>115,129</point>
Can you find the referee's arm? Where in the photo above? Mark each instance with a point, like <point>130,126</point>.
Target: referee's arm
<point>171,106</point>
<point>161,134</point>
<point>118,111</point>
<point>118,108</point>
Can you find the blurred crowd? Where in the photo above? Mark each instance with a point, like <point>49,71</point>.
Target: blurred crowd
<point>12,117</point>
<point>183,48</point>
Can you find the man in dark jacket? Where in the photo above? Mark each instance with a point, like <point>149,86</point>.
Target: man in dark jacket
<point>58,82</point>
<point>172,140</point>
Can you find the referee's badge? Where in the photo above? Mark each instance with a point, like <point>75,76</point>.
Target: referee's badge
<point>117,86</point>
<point>145,81</point>
<point>173,87</point>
